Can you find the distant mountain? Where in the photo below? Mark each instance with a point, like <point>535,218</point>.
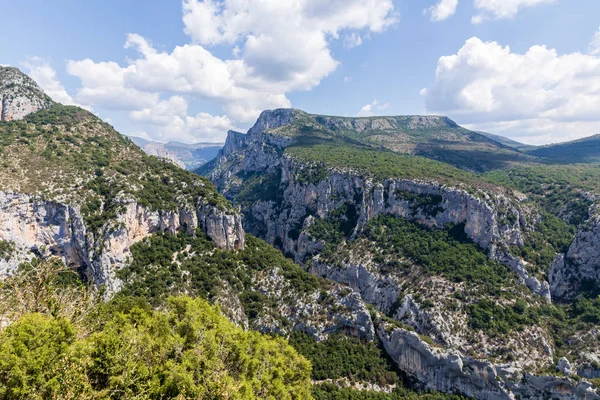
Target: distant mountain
<point>507,142</point>
<point>586,150</point>
<point>188,156</point>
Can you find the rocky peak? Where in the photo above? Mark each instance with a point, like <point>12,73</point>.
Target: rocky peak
<point>270,119</point>
<point>19,95</point>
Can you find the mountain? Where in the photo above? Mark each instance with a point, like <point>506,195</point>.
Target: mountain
<point>188,156</point>
<point>434,137</point>
<point>586,150</point>
<point>461,267</point>
<point>19,95</point>
<point>137,230</point>
<point>507,142</point>
<point>388,251</point>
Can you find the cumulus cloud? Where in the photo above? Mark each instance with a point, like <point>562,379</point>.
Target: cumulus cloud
<point>104,86</point>
<point>444,9</point>
<point>502,9</point>
<point>371,109</point>
<point>595,44</point>
<point>289,53</point>
<point>540,94</point>
<point>45,76</point>
<point>169,120</point>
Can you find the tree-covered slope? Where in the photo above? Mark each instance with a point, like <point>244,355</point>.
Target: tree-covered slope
<point>586,150</point>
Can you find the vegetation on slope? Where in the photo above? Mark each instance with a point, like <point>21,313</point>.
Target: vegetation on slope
<point>333,392</point>
<point>125,350</point>
<point>378,163</point>
<point>345,357</point>
<point>67,153</point>
<point>164,265</point>
<point>563,194</point>
<point>586,150</point>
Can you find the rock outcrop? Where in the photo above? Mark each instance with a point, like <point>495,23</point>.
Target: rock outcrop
<point>494,221</point>
<point>39,227</point>
<point>19,95</point>
<point>451,372</point>
<point>580,265</point>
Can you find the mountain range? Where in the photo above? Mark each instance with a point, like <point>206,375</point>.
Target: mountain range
<point>185,155</point>
<point>403,256</point>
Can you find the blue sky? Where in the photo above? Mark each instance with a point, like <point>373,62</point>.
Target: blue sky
<point>191,70</point>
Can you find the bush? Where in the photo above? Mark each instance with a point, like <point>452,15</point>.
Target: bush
<point>187,351</point>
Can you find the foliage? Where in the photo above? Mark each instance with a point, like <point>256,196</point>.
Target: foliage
<point>559,189</point>
<point>6,249</point>
<point>338,225</point>
<point>497,319</point>
<point>446,252</point>
<point>345,357</point>
<point>45,286</point>
<point>199,267</point>
<point>259,187</point>
<point>328,391</point>
<point>187,351</point>
<point>381,164</point>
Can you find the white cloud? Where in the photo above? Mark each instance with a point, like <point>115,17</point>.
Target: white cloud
<point>537,93</point>
<point>595,44</point>
<point>104,86</point>
<point>168,120</point>
<point>40,71</point>
<point>291,51</point>
<point>352,40</point>
<point>369,110</point>
<point>444,9</point>
<point>502,9</point>
<point>347,79</point>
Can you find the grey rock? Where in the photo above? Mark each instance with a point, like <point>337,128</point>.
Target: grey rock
<point>42,227</point>
<point>581,263</point>
<point>19,95</point>
<point>450,372</point>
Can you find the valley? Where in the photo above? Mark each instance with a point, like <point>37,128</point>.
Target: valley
<point>331,257</point>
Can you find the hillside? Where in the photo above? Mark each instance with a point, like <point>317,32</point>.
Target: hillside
<point>507,142</point>
<point>86,216</point>
<point>451,261</point>
<point>586,150</point>
<point>434,137</point>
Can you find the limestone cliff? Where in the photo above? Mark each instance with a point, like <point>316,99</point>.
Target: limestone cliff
<point>43,228</point>
<point>450,371</point>
<point>492,219</point>
<point>19,95</point>
<point>580,265</point>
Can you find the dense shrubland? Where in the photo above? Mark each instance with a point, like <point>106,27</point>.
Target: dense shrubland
<point>124,349</point>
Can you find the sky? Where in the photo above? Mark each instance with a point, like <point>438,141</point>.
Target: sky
<point>191,70</point>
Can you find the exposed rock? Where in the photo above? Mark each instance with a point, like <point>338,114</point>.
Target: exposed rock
<point>482,213</point>
<point>451,372</point>
<point>185,155</point>
<point>42,228</point>
<point>565,367</point>
<point>19,95</point>
<point>580,265</point>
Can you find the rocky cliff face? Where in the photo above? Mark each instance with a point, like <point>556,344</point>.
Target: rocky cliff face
<point>19,95</point>
<point>39,227</point>
<point>493,220</point>
<point>451,372</point>
<point>291,194</point>
<point>580,265</point>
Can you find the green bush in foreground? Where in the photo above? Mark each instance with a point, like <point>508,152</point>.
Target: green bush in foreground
<point>187,351</point>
